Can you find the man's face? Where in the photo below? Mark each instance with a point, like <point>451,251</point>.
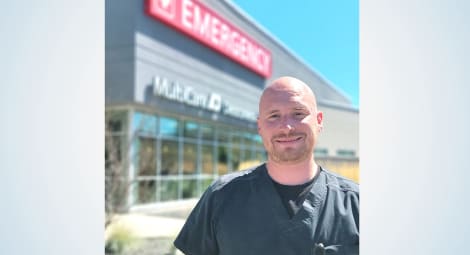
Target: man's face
<point>289,123</point>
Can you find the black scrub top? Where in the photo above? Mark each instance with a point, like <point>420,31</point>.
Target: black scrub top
<point>242,214</point>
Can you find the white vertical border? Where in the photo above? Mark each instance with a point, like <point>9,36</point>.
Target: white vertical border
<point>414,126</point>
<point>52,128</point>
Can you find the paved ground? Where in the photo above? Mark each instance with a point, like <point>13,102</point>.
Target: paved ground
<point>152,229</point>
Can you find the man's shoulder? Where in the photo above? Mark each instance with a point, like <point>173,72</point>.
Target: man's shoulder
<point>238,178</point>
<point>339,182</point>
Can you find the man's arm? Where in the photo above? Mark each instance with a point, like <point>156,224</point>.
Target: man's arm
<point>198,236</point>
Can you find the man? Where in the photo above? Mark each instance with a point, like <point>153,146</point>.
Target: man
<point>289,205</point>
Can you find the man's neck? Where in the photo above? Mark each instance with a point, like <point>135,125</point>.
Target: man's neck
<point>292,173</point>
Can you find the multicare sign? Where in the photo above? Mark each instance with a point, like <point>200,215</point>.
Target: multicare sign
<point>199,22</point>
<point>175,91</point>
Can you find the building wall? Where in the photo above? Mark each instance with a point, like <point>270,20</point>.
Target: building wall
<point>340,130</point>
<point>119,50</point>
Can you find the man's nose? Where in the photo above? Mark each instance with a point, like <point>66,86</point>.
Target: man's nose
<point>286,124</point>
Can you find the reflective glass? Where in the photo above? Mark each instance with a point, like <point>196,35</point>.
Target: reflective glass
<point>146,191</point>
<point>257,139</point>
<point>205,183</point>
<point>168,190</point>
<point>345,153</point>
<point>168,126</point>
<point>191,129</point>
<point>144,123</point>
<point>207,132</point>
<point>147,158</point>
<point>189,158</point>
<point>190,188</point>
<point>320,152</point>
<point>207,159</point>
<point>261,156</point>
<point>236,158</point>
<point>222,136</point>
<point>248,160</point>
<point>236,138</point>
<point>222,155</point>
<point>248,139</point>
<point>169,158</point>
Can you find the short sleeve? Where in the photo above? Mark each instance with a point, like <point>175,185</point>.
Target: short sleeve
<point>198,237</point>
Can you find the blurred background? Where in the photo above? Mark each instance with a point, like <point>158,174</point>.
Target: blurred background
<point>182,83</point>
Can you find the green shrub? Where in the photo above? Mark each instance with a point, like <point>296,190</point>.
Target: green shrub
<point>120,238</point>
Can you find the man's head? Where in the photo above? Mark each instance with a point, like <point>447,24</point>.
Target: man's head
<point>288,121</point>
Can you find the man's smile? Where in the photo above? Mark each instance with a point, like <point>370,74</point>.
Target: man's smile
<point>288,140</point>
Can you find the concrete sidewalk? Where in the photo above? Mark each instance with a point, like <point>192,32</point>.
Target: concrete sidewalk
<point>145,226</point>
<point>163,220</point>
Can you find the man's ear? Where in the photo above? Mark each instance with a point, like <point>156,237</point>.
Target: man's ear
<point>319,118</point>
<point>320,121</point>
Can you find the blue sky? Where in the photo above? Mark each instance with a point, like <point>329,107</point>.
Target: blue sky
<point>325,34</point>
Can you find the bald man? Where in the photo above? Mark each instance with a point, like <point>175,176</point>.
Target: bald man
<point>288,205</point>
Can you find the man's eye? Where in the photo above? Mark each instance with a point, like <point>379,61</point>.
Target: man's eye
<point>274,116</point>
<point>299,114</point>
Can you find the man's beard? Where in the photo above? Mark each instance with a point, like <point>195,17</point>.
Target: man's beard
<point>289,154</point>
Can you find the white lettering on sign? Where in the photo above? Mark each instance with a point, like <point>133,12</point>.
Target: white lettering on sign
<point>203,24</point>
<point>185,94</point>
<point>215,102</point>
<point>237,112</point>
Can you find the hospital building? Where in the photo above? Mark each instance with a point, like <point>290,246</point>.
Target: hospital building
<point>182,84</point>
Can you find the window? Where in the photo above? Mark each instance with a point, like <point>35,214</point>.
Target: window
<point>260,156</point>
<point>169,158</point>
<point>147,157</point>
<point>207,132</point>
<point>169,127</point>
<point>205,182</point>
<point>236,158</point>
<point>187,155</point>
<point>346,153</point>
<point>144,123</point>
<point>169,190</point>
<point>208,159</point>
<point>189,188</point>
<point>236,139</point>
<point>222,156</point>
<point>222,136</point>
<point>191,130</point>
<point>146,191</point>
<point>257,139</point>
<point>189,158</point>
<point>248,139</point>
<point>320,152</point>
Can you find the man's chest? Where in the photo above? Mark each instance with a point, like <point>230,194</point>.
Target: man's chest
<point>262,225</point>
